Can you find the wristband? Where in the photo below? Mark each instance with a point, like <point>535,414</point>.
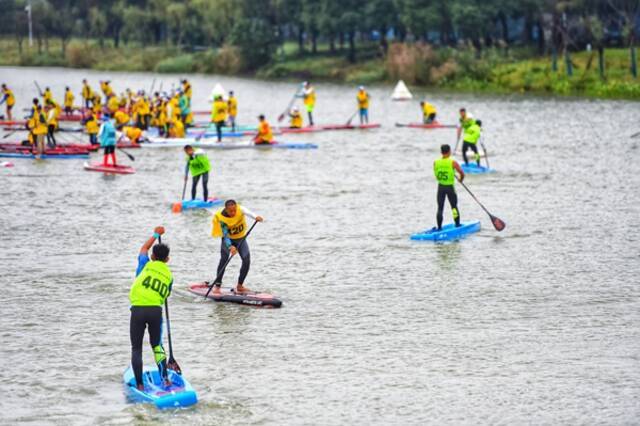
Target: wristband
<point>156,235</point>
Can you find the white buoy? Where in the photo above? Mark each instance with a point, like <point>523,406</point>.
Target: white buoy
<point>217,90</point>
<point>401,92</point>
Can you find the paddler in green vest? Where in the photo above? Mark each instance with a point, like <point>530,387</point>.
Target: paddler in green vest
<point>199,166</point>
<point>470,139</point>
<point>444,171</point>
<point>147,295</point>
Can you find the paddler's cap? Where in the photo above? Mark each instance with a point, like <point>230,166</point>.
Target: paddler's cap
<point>261,117</point>
<point>105,117</point>
<point>470,116</point>
<point>361,87</point>
<point>295,109</point>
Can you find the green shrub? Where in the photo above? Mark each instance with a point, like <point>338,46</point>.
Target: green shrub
<point>179,64</point>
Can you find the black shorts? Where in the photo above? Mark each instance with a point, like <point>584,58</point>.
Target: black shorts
<point>109,149</point>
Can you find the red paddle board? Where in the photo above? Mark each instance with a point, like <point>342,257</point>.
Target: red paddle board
<point>99,167</point>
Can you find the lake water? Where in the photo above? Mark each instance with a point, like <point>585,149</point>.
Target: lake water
<point>538,324</point>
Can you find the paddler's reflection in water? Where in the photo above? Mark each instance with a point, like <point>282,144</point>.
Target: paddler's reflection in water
<point>449,256</point>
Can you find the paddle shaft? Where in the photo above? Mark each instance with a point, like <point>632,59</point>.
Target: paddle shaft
<point>230,257</point>
<point>131,157</point>
<point>486,154</point>
<point>352,117</point>
<point>184,186</point>
<point>38,87</point>
<point>635,135</point>
<point>172,361</point>
<point>286,111</point>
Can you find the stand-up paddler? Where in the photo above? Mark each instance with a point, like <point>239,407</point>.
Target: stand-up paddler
<point>444,170</point>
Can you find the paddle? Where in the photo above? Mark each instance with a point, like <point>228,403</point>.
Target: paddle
<point>457,141</point>
<point>38,87</point>
<point>184,187</point>
<point>352,117</point>
<point>229,259</point>
<point>11,132</point>
<point>153,84</point>
<point>486,155</point>
<point>293,99</point>
<point>635,135</point>
<point>497,222</point>
<point>131,157</point>
<point>172,363</point>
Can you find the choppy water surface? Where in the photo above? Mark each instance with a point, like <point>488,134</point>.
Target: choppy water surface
<point>537,324</point>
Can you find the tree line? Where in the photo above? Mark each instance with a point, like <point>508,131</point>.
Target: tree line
<point>259,27</point>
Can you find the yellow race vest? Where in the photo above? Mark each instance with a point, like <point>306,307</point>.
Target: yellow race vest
<point>151,287</point>
<point>237,225</point>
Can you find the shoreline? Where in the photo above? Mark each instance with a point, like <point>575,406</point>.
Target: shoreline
<point>531,76</point>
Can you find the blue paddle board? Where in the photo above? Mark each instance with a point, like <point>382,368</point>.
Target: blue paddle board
<point>474,169</point>
<point>179,394</point>
<point>448,232</point>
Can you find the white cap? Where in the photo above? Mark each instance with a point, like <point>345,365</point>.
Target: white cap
<point>469,115</point>
<point>361,87</point>
<point>295,109</point>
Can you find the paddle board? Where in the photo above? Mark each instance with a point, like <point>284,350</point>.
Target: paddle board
<point>434,125</point>
<point>448,232</point>
<point>264,300</point>
<point>6,164</point>
<point>200,204</point>
<point>44,156</point>
<point>118,169</point>
<point>179,394</point>
<point>474,169</point>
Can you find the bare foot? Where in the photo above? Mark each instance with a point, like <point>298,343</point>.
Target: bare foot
<point>216,289</point>
<point>140,387</point>
<point>167,383</point>
<point>242,289</point>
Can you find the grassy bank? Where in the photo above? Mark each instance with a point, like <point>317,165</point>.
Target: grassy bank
<point>493,72</point>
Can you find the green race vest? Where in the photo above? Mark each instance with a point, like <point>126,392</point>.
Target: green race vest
<point>443,171</point>
<point>151,287</point>
<point>199,165</point>
<point>472,133</point>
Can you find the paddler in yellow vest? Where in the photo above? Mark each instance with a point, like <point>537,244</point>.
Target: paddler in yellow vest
<point>444,170</point>
<point>265,135</point>
<point>87,93</point>
<point>176,128</point>
<point>132,133</point>
<point>428,112</point>
<point>53,113</point>
<point>219,114</point>
<point>39,128</point>
<point>363,105</point>
<point>92,126</point>
<point>113,104</point>
<point>230,224</point>
<point>186,89</point>
<point>309,99</point>
<point>148,293</point>
<point>295,118</point>
<point>96,104</point>
<point>68,101</point>
<point>9,99</point>
<point>121,118</point>
<point>143,111</point>
<point>47,96</point>
<point>233,110</point>
<point>106,89</point>
<point>472,134</point>
<point>199,166</point>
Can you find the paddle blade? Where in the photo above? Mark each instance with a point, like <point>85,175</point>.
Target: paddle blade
<point>176,207</point>
<point>280,117</point>
<point>172,364</point>
<point>498,223</point>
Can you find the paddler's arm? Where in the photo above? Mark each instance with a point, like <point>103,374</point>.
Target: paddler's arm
<point>157,231</point>
<point>251,214</point>
<point>459,169</point>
